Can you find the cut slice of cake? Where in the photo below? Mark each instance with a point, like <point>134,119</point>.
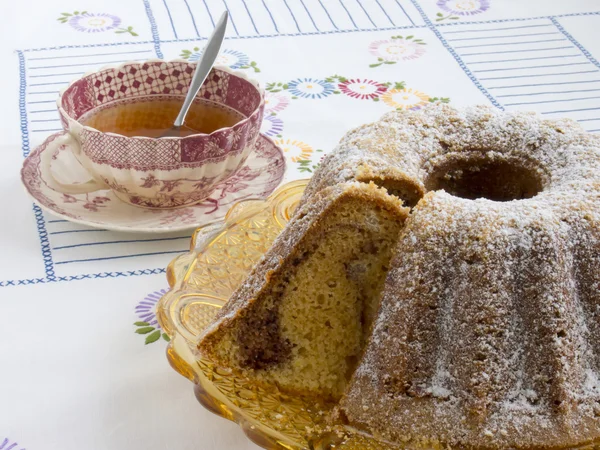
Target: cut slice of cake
<point>301,318</point>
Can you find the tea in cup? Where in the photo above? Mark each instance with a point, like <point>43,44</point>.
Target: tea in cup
<point>114,118</point>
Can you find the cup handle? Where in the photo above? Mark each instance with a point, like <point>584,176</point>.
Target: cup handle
<point>65,143</point>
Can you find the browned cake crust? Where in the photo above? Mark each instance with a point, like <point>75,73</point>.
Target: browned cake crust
<point>488,331</point>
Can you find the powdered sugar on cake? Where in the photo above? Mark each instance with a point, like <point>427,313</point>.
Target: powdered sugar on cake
<point>488,331</point>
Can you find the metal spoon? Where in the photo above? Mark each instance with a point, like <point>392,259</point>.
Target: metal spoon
<point>209,55</point>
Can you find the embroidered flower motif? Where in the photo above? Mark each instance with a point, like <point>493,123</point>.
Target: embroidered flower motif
<point>230,58</point>
<point>295,150</point>
<point>464,7</point>
<point>146,312</point>
<point>94,22</point>
<point>309,165</point>
<point>272,126</point>
<point>275,102</point>
<point>396,49</point>
<point>405,98</point>
<point>362,89</point>
<point>310,88</point>
<point>145,308</point>
<point>7,445</point>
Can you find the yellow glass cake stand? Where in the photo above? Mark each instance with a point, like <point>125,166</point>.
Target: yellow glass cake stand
<point>201,281</point>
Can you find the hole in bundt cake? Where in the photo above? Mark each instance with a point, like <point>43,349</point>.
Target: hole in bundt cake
<point>404,190</point>
<point>484,176</point>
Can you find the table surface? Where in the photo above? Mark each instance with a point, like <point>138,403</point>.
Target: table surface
<point>74,374</point>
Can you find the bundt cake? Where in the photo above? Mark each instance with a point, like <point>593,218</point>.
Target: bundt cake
<point>486,331</point>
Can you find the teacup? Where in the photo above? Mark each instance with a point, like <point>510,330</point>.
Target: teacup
<point>155,172</point>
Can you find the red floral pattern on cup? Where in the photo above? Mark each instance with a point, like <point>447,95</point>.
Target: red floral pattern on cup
<point>79,98</point>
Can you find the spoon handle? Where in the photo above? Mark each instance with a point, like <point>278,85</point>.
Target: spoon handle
<point>209,55</point>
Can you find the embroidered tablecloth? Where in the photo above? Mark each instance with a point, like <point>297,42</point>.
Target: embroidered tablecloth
<point>75,370</point>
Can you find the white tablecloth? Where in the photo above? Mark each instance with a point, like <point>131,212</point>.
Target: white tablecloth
<point>74,374</point>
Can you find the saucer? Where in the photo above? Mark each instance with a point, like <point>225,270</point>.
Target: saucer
<point>258,177</point>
